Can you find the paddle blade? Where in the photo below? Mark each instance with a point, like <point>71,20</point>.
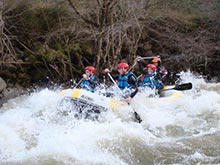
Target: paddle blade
<point>181,87</point>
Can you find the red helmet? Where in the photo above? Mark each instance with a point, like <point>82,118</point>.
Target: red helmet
<point>123,65</point>
<point>156,59</point>
<point>152,66</point>
<point>91,69</point>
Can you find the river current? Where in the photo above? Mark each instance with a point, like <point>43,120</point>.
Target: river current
<point>184,130</point>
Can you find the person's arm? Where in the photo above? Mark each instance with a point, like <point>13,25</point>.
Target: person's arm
<point>94,81</point>
<point>128,99</point>
<point>134,83</point>
<point>115,77</point>
<point>141,68</point>
<point>132,80</point>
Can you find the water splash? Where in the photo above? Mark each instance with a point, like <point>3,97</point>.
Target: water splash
<point>34,130</point>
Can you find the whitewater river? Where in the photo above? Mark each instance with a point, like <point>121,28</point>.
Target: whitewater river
<point>185,130</point>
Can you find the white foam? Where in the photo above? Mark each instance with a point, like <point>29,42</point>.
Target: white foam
<point>32,127</point>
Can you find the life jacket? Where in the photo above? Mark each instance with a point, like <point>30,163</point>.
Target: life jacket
<point>123,80</point>
<point>151,82</point>
<point>87,85</point>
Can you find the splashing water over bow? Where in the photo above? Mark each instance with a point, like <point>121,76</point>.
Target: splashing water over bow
<point>185,129</point>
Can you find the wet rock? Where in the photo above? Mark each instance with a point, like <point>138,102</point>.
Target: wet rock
<point>3,85</point>
<point>7,92</point>
<point>10,93</point>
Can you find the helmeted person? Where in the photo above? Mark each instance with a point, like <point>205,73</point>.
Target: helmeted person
<point>90,81</point>
<point>126,80</point>
<point>161,70</point>
<point>148,76</point>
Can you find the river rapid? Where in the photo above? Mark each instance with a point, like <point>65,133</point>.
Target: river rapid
<point>34,130</point>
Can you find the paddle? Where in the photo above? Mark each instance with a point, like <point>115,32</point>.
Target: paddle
<point>78,83</point>
<point>137,116</point>
<point>180,87</point>
<point>141,58</point>
<point>147,58</point>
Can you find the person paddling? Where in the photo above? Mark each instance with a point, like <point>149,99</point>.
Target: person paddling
<point>161,70</point>
<point>89,81</point>
<point>126,80</point>
<point>148,76</point>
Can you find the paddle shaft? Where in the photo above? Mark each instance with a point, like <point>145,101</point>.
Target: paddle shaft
<point>137,116</point>
<point>147,58</point>
<point>143,58</point>
<point>115,84</point>
<point>78,83</point>
<point>135,62</point>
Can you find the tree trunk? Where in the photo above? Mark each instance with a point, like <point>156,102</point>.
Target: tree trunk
<point>1,30</point>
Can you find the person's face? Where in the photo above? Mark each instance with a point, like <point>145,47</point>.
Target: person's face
<point>149,70</point>
<point>88,73</point>
<point>121,71</point>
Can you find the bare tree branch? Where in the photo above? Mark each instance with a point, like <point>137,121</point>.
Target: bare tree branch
<point>81,16</point>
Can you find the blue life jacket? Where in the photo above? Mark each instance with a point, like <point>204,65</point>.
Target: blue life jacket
<point>123,80</point>
<point>150,81</point>
<point>87,85</point>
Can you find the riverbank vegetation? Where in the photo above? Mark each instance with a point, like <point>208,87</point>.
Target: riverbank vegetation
<point>55,40</point>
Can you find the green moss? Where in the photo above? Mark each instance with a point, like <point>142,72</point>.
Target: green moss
<point>49,54</point>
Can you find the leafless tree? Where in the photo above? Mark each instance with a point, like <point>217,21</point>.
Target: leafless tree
<point>115,27</point>
<point>7,49</point>
<point>1,29</point>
